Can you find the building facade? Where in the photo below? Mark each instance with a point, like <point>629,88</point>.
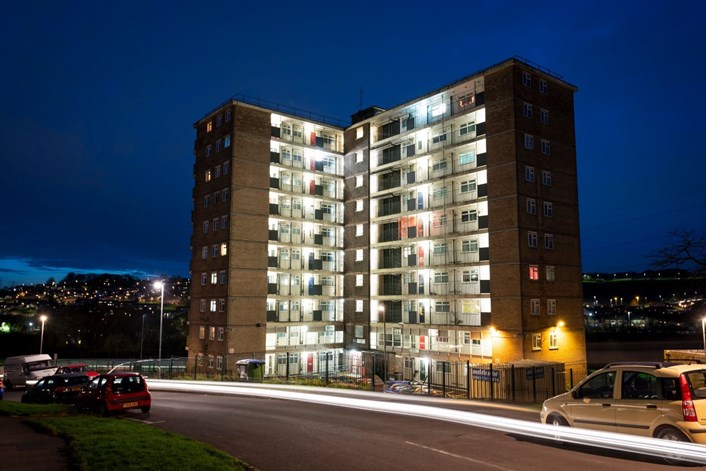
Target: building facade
<point>443,229</point>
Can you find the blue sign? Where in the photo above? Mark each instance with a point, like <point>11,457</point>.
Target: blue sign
<point>483,374</point>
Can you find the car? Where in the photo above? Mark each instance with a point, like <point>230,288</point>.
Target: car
<point>112,392</point>
<point>77,368</point>
<point>660,400</point>
<point>62,388</point>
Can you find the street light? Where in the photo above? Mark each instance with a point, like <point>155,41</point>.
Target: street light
<point>142,335</point>
<point>41,337</point>
<point>160,286</point>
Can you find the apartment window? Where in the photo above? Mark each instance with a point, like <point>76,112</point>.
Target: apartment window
<point>358,230</point>
<point>531,206</point>
<point>217,171</point>
<point>358,157</point>
<point>526,79</point>
<point>466,100</point>
<point>440,221</point>
<point>214,278</point>
<point>544,116</point>
<point>442,306</point>
<point>467,129</point>
<point>224,249</point>
<point>553,341</point>
<point>214,305</point>
<point>229,114</point>
<point>358,181</point>
<point>548,209</point>
<point>468,186</point>
<point>467,158</point>
<point>216,223</point>
<point>202,332</point>
<point>529,173</point>
<point>221,305</point>
<point>211,333</point>
<point>441,249</point>
<point>546,148</point>
<point>226,141</point>
<point>359,255</point>
<point>220,335</point>
<point>534,272</point>
<point>207,175</point>
<point>204,278</point>
<point>527,110</point>
<point>532,239</point>
<point>359,280</point>
<point>534,307</point>
<point>359,204</point>
<point>217,196</point>
<point>469,216</point>
<point>551,307</point>
<point>470,276</point>
<point>209,126</point>
<point>209,150</point>
<point>219,362</point>
<point>359,305</point>
<point>226,168</point>
<point>214,250</point>
<point>440,278</point>
<point>529,142</point>
<point>440,192</point>
<point>202,306</point>
<point>219,120</point>
<point>359,132</point>
<point>218,145</point>
<point>206,201</point>
<point>225,193</point>
<point>543,86</point>
<point>469,245</point>
<point>438,138</point>
<point>205,227</point>
<point>224,221</point>
<point>222,277</point>
<point>204,252</point>
<point>536,342</point>
<point>550,273</point>
<point>549,241</point>
<point>546,178</point>
<point>437,110</point>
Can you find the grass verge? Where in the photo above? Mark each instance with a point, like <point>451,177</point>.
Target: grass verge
<point>114,442</point>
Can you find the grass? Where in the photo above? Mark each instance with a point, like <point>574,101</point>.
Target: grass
<point>108,443</point>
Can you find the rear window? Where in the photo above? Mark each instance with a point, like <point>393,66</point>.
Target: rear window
<point>128,384</point>
<point>697,381</point>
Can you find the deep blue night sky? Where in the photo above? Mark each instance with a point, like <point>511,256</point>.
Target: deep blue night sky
<point>97,103</point>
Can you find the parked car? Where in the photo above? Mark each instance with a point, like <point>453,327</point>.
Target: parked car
<point>56,388</point>
<point>77,368</point>
<point>114,392</point>
<point>649,399</point>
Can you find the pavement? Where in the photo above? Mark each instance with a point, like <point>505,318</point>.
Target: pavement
<point>23,448</point>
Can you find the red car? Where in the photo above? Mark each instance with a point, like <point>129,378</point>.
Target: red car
<point>114,392</point>
<point>77,368</point>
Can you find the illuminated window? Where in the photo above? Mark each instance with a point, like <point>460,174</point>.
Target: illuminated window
<point>546,147</point>
<point>544,116</point>
<point>226,141</point>
<point>466,100</point>
<point>359,305</point>
<point>211,333</point>
<point>529,173</point>
<point>207,175</point>
<point>527,110</point>
<point>551,307</point>
<point>467,158</point>
<point>437,110</point>
<point>532,239</point>
<point>531,206</point>
<point>358,230</point>
<point>214,305</point>
<point>202,332</point>
<point>209,126</point>
<point>534,307</point>
<point>553,341</point>
<point>359,255</point>
<point>550,273</point>
<point>546,178</point>
<point>526,79</point>
<point>358,181</point>
<point>214,278</point>
<point>536,342</point>
<point>359,132</point>
<point>224,249</point>
<point>549,241</point>
<point>359,204</point>
<point>548,209</point>
<point>534,272</point>
<point>529,142</point>
<point>359,280</point>
<point>358,157</point>
<point>543,86</point>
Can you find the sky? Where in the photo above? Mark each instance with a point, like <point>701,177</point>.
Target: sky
<point>98,101</point>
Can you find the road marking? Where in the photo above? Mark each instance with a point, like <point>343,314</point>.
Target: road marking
<point>459,456</point>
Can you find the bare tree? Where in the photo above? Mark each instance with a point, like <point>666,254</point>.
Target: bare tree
<point>688,250</point>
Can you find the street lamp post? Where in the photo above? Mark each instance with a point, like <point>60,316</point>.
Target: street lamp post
<point>41,336</point>
<point>142,335</point>
<point>160,286</point>
<point>703,331</point>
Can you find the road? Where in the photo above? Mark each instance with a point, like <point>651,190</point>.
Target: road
<point>275,434</point>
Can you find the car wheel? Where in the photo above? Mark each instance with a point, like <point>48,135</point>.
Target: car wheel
<point>671,433</point>
<point>145,409</point>
<point>557,421</point>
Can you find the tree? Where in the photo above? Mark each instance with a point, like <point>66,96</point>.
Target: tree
<point>688,249</point>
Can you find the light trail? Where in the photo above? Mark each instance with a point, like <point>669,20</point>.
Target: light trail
<point>673,450</point>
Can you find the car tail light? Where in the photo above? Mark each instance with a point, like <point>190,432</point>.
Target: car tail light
<point>687,404</point>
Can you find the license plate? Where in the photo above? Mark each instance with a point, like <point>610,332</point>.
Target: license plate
<point>129,404</point>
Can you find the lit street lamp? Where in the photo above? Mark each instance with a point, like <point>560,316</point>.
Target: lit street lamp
<point>41,337</point>
<point>160,286</point>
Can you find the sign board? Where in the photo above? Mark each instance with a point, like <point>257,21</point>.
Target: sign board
<point>484,374</point>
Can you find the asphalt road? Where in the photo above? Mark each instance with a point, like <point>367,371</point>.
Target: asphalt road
<point>274,434</point>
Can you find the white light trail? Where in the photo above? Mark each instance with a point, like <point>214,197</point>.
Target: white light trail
<point>613,441</point>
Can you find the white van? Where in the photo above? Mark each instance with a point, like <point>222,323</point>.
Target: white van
<point>21,369</point>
